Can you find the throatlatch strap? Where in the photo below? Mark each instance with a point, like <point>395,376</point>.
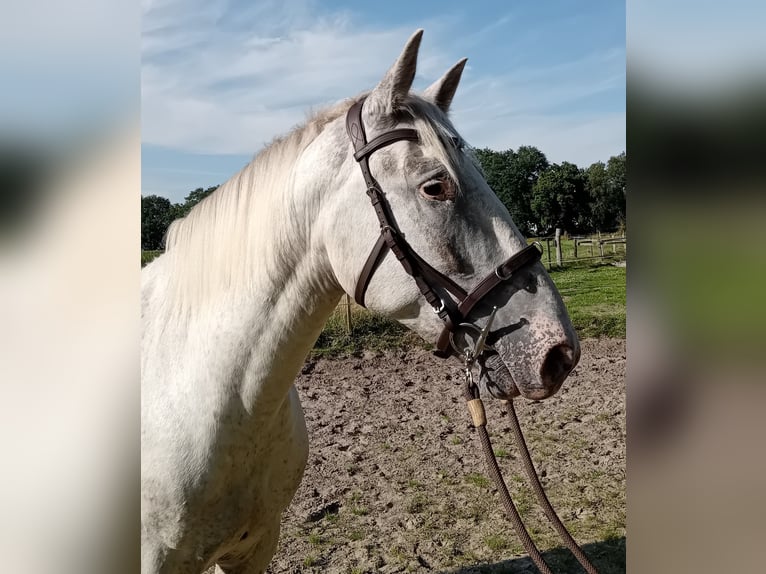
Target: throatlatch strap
<point>376,256</point>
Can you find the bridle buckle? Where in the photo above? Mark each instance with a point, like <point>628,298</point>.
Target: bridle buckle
<point>473,351</point>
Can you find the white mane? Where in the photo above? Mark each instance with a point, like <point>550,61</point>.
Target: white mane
<point>253,224</point>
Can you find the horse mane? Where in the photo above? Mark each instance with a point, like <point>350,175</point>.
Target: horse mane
<point>211,249</point>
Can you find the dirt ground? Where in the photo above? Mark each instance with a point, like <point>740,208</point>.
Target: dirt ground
<point>395,480</point>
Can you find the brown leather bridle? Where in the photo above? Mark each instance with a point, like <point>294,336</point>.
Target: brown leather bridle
<point>426,277</point>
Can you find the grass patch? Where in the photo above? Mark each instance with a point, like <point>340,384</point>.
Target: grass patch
<point>355,507</point>
<point>398,553</point>
<point>359,510</point>
<point>477,479</point>
<point>417,504</point>
<point>495,542</point>
<point>595,298</point>
<point>315,539</point>
<point>331,517</point>
<point>370,331</point>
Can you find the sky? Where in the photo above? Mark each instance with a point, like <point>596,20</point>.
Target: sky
<point>222,78</point>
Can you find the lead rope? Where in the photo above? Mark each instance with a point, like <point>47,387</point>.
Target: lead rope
<point>479,418</point>
<point>542,498</point>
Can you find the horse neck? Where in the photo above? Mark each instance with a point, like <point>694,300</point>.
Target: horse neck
<point>268,304</point>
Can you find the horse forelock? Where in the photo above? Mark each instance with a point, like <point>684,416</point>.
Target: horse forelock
<point>438,137</point>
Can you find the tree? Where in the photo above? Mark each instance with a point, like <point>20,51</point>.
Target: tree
<point>617,178</point>
<point>156,215</point>
<point>494,164</point>
<point>512,175</point>
<point>526,166</point>
<point>602,212</point>
<point>193,199</point>
<point>559,199</point>
<point>606,188</point>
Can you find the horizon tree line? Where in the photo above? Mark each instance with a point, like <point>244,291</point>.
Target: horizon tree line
<point>539,195</point>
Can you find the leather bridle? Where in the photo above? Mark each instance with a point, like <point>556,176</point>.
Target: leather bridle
<point>428,279</point>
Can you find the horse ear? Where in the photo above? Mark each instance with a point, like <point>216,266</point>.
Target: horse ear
<point>443,90</point>
<point>396,84</point>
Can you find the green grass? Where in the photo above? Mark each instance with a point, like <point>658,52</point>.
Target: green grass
<point>477,479</point>
<point>595,299</point>
<point>315,539</point>
<point>370,331</point>
<point>495,542</point>
<point>354,506</point>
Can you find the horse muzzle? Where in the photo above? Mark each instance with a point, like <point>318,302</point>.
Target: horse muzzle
<point>512,378</point>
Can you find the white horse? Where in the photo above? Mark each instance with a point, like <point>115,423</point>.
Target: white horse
<point>233,307</point>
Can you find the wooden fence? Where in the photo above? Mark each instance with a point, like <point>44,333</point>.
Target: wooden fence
<point>559,249</point>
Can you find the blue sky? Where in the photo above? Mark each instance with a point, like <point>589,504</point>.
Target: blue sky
<point>222,78</point>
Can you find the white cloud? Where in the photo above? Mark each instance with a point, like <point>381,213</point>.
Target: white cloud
<point>231,91</point>
<point>219,80</point>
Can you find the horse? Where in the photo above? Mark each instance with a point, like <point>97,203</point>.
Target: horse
<point>251,274</point>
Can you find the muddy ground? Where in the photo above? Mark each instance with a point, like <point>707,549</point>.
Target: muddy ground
<point>395,480</point>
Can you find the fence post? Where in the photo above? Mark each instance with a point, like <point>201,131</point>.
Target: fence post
<point>548,249</point>
<point>558,246</point>
<point>348,314</point>
<point>575,247</point>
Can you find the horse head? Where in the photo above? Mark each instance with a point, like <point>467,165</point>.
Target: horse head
<point>437,202</point>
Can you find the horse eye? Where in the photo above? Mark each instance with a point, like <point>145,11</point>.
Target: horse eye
<point>433,189</point>
<point>440,189</point>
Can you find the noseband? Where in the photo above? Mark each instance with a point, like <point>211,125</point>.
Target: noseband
<point>429,280</point>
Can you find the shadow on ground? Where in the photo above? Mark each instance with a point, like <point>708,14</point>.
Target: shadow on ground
<point>607,556</point>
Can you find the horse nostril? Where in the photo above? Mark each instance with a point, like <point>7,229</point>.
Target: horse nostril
<point>558,363</point>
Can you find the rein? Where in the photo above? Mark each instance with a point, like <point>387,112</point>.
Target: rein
<point>454,315</point>
<point>479,419</point>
